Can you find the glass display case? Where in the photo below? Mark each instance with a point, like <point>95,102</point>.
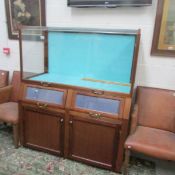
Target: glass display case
<point>77,86</point>
<point>90,58</point>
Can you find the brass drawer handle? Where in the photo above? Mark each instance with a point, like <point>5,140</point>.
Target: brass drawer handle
<point>95,115</point>
<point>43,106</point>
<point>45,84</point>
<point>97,92</point>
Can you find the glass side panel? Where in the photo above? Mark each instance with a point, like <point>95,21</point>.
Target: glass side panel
<point>45,95</point>
<point>32,53</point>
<point>98,104</point>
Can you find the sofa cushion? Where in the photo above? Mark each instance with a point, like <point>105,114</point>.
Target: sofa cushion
<point>153,142</point>
<point>9,112</point>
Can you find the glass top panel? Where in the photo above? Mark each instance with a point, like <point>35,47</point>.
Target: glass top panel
<point>92,58</point>
<point>98,104</point>
<point>45,95</point>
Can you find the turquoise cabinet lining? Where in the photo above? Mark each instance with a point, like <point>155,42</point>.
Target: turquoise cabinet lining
<point>100,56</point>
<point>73,56</point>
<point>77,81</point>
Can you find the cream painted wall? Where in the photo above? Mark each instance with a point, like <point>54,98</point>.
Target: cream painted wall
<point>151,71</point>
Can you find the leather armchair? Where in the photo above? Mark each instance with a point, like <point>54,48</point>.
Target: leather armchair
<point>152,125</point>
<point>9,97</point>
<point>4,75</point>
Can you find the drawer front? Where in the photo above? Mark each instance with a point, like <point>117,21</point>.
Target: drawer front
<point>97,104</point>
<point>44,95</point>
<point>100,104</point>
<point>47,96</point>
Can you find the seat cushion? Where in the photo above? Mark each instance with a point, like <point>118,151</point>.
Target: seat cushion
<point>9,112</point>
<point>153,142</point>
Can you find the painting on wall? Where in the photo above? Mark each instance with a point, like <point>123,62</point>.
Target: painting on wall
<point>24,13</point>
<point>164,32</point>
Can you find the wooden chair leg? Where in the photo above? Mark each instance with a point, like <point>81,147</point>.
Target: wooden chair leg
<point>16,135</point>
<point>126,161</point>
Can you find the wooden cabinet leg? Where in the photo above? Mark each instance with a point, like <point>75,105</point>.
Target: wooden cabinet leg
<point>16,135</point>
<point>126,162</point>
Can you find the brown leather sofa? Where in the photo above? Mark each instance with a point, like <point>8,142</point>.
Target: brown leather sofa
<point>4,77</point>
<point>9,97</point>
<point>152,125</point>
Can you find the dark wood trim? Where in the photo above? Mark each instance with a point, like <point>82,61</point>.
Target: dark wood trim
<point>8,20</point>
<point>40,148</point>
<point>32,75</point>
<point>78,88</point>
<point>104,120</point>
<point>126,161</point>
<point>46,52</point>
<point>21,54</point>
<point>135,60</point>
<point>154,50</point>
<point>91,162</point>
<point>123,135</point>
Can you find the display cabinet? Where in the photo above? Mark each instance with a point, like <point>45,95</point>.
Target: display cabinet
<point>77,86</point>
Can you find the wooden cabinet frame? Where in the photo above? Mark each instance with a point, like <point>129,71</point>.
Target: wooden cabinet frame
<point>72,114</point>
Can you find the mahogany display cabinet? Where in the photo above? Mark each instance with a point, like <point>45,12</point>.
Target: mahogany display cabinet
<point>77,86</point>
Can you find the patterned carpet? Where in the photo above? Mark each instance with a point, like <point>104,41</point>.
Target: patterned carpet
<point>24,161</point>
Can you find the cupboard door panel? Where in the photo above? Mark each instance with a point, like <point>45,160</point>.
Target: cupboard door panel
<point>43,131</point>
<point>93,143</point>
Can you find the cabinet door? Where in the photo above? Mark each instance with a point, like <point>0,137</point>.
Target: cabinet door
<point>93,141</point>
<point>43,130</point>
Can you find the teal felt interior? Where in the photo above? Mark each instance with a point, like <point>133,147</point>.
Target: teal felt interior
<point>73,56</point>
<point>77,81</point>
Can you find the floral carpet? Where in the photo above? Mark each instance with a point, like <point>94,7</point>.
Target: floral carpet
<point>24,161</point>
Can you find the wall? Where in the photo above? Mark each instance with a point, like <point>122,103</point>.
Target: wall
<point>151,71</point>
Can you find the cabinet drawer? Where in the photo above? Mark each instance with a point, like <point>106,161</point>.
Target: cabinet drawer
<point>98,103</point>
<point>51,96</point>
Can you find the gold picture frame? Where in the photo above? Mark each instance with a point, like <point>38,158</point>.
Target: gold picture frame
<point>164,32</point>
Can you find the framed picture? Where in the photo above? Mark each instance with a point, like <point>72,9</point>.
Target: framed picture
<point>24,13</point>
<point>164,32</point>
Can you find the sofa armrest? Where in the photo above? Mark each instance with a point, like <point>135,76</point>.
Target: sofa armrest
<point>134,119</point>
<point>5,94</point>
